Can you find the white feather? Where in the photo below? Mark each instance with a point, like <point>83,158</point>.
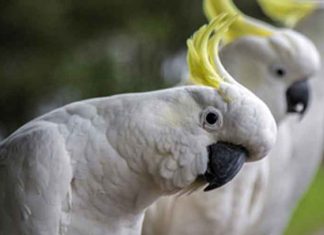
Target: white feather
<point>94,166</point>
<point>265,192</point>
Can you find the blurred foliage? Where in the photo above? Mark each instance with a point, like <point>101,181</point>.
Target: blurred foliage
<point>54,52</point>
<point>309,215</point>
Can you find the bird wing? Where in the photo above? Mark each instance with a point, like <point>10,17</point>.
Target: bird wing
<point>35,175</point>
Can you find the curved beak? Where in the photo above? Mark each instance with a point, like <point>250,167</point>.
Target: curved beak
<point>297,96</point>
<point>225,161</point>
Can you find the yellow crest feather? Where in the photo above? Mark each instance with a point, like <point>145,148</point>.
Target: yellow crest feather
<point>244,25</point>
<point>202,57</point>
<point>288,12</point>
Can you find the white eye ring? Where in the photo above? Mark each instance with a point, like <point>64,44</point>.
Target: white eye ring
<point>211,119</point>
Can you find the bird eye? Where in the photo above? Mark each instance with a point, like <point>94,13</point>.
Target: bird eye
<point>278,71</point>
<point>211,119</point>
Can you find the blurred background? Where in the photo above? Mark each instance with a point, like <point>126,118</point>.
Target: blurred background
<point>55,52</point>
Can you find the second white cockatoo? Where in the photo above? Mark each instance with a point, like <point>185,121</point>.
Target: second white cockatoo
<point>276,64</point>
<point>306,136</point>
<point>92,167</point>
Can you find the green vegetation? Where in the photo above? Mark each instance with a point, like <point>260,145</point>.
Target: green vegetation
<point>56,52</point>
<point>309,215</point>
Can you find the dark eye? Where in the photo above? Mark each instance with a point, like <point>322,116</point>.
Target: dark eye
<point>211,118</point>
<point>278,71</point>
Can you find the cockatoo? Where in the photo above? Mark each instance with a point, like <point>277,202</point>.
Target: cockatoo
<point>301,163</point>
<point>270,62</point>
<point>92,167</point>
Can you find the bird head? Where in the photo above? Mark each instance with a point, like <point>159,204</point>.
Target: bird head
<point>276,67</point>
<point>189,136</point>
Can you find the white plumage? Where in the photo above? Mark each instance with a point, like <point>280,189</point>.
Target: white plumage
<point>92,167</point>
<point>306,138</point>
<point>264,192</point>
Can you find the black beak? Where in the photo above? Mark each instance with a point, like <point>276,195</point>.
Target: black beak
<point>297,96</point>
<point>225,161</point>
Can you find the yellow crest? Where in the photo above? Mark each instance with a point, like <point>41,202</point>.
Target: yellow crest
<point>288,12</point>
<point>203,61</point>
<point>244,25</point>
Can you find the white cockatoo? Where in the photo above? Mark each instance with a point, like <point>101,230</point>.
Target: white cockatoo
<point>276,65</point>
<point>301,163</point>
<point>92,167</point>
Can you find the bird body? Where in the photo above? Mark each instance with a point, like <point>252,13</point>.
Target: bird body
<point>307,145</point>
<point>94,166</point>
<point>212,213</point>
<point>290,179</point>
<point>57,172</point>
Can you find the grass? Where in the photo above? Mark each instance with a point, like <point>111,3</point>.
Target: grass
<point>309,215</point>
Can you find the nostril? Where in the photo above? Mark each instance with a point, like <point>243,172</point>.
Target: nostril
<point>297,96</point>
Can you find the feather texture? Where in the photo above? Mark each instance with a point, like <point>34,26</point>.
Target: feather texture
<point>242,26</point>
<point>288,12</point>
<point>203,60</point>
<point>94,166</point>
<point>259,200</point>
